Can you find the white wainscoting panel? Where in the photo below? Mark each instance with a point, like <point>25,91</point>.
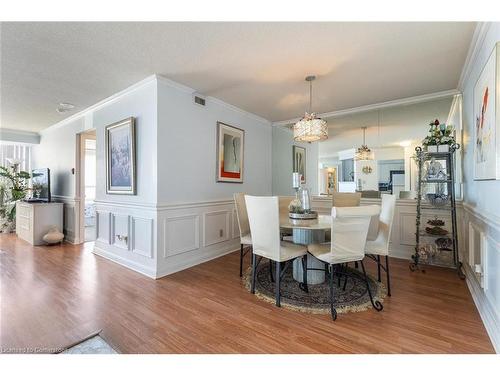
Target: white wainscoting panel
<point>194,233</point>
<point>216,227</point>
<point>120,231</point>
<point>142,236</point>
<point>103,226</point>
<point>181,234</point>
<point>137,224</point>
<point>482,265</point>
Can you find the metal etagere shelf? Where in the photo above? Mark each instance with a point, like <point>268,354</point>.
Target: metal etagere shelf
<point>436,245</point>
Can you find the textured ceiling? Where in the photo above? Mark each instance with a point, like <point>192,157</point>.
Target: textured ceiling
<point>259,67</point>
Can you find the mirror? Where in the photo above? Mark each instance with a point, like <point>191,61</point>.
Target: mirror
<point>392,134</point>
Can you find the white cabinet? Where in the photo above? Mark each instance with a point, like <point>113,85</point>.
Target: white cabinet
<point>34,220</point>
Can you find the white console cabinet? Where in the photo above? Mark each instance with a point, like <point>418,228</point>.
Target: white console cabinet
<point>34,220</point>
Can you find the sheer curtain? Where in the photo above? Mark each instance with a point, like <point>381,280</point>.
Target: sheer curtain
<point>16,151</point>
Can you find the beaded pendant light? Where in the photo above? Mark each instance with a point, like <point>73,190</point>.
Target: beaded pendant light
<point>310,128</point>
<point>363,152</point>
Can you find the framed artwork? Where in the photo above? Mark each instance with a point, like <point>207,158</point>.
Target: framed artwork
<point>230,150</point>
<point>486,120</point>
<point>299,162</point>
<point>120,157</point>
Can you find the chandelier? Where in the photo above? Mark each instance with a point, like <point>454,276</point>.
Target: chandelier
<point>310,128</point>
<point>363,152</point>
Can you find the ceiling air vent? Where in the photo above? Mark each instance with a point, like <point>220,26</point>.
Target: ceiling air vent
<point>198,99</point>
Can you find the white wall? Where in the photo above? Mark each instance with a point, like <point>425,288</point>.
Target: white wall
<point>283,162</point>
<point>481,226</point>
<point>187,142</point>
<point>196,214</point>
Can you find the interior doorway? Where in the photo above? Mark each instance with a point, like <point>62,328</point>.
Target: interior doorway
<point>88,185</point>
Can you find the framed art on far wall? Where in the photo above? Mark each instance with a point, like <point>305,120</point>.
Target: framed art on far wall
<point>486,120</point>
<point>120,157</point>
<point>230,151</point>
<point>299,162</point>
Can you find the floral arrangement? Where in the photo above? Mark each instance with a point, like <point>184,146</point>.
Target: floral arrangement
<point>439,134</point>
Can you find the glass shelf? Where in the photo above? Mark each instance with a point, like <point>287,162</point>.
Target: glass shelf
<point>435,181</point>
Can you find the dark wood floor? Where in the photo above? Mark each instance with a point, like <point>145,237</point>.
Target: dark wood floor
<point>52,297</point>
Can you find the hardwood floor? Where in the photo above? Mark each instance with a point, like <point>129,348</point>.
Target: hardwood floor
<point>52,297</point>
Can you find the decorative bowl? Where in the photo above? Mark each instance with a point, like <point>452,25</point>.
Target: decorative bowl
<point>437,200</point>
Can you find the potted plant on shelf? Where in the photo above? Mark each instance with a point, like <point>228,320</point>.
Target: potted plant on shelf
<point>440,137</point>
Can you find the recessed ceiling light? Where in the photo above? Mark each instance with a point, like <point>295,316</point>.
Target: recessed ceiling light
<point>64,107</point>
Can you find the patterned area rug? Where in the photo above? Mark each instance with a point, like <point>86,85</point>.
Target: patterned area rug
<point>353,299</point>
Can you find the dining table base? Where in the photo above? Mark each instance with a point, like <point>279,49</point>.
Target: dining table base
<point>316,275</point>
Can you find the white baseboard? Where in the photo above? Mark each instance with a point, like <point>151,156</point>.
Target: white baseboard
<point>181,262</point>
<point>147,271</point>
<point>400,253</point>
<point>488,315</point>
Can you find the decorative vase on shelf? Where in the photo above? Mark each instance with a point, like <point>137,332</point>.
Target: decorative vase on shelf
<point>432,148</point>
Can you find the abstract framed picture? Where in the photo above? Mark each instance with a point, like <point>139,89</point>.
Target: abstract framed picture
<point>230,151</point>
<point>299,162</point>
<point>120,157</point>
<point>486,120</point>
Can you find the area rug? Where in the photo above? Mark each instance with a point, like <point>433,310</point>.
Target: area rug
<point>92,345</point>
<point>353,299</point>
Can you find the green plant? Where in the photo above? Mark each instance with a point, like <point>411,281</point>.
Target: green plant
<point>13,187</point>
<point>439,134</point>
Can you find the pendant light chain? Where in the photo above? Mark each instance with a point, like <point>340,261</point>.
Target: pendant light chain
<point>310,96</point>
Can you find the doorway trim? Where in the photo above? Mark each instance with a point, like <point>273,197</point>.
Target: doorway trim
<point>80,180</point>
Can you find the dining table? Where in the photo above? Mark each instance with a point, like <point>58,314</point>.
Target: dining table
<point>310,231</point>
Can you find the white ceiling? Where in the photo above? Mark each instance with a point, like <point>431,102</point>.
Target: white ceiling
<point>259,67</point>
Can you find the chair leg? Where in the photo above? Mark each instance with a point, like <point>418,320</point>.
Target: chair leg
<point>378,268</point>
<point>346,276</point>
<point>341,266</point>
<point>241,260</point>
<point>376,304</point>
<point>356,265</point>
<point>278,281</point>
<point>388,275</point>
<point>271,270</point>
<point>304,273</point>
<point>332,308</point>
<point>254,266</point>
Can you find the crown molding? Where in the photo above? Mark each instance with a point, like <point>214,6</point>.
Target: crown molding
<point>19,136</point>
<point>371,107</point>
<point>102,103</point>
<point>161,80</point>
<point>211,99</point>
<point>474,48</point>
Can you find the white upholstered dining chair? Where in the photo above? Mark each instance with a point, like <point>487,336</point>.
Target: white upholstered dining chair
<point>242,217</point>
<point>263,215</point>
<point>380,245</point>
<point>348,238</point>
<point>284,202</point>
